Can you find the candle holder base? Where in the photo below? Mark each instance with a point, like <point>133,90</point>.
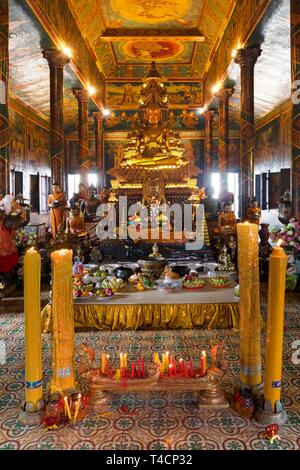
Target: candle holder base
<point>256,390</point>
<point>213,398</point>
<point>265,415</point>
<point>31,416</point>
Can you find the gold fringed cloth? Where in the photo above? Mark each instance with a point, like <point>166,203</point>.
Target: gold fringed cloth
<point>152,316</point>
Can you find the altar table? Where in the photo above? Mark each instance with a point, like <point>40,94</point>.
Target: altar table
<point>150,309</point>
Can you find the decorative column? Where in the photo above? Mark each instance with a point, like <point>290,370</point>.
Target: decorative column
<point>83,131</point>
<point>223,96</point>
<point>295,62</point>
<point>98,118</point>
<point>57,60</point>
<point>209,116</point>
<point>247,58</point>
<point>4,118</point>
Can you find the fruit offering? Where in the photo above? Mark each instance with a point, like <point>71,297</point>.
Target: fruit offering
<point>82,290</point>
<point>107,292</point>
<point>112,283</point>
<point>193,281</point>
<point>219,281</point>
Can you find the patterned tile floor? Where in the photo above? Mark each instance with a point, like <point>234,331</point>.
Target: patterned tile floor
<point>151,421</point>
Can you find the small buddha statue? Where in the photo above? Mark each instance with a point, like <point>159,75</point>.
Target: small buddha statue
<point>232,248</point>
<point>155,252</point>
<point>254,212</point>
<point>226,220</point>
<point>75,224</point>
<point>211,205</point>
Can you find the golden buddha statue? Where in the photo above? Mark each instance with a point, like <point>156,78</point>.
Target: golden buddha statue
<point>154,145</point>
<point>254,212</point>
<point>226,220</point>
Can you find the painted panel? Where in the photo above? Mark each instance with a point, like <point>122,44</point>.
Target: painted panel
<point>126,94</point>
<point>17,142</point>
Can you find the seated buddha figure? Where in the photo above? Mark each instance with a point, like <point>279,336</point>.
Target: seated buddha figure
<point>254,212</point>
<point>226,220</point>
<point>75,225</point>
<point>153,145</point>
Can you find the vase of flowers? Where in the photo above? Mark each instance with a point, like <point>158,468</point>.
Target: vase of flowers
<point>289,235</point>
<point>24,240</point>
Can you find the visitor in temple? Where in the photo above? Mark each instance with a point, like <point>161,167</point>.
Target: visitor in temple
<point>57,202</point>
<point>8,250</point>
<point>226,219</point>
<point>90,204</point>
<point>75,225</point>
<point>77,198</point>
<point>254,212</point>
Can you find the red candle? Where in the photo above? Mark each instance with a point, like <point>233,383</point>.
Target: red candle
<point>139,367</point>
<point>143,368</point>
<point>170,370</point>
<point>180,366</point>
<point>133,370</point>
<point>173,366</point>
<point>186,372</point>
<point>191,368</point>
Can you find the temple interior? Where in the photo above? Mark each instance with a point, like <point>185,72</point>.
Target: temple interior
<point>149,225</point>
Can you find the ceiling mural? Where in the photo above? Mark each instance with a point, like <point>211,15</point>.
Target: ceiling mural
<point>146,50</point>
<point>178,34</point>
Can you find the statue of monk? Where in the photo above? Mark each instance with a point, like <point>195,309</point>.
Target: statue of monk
<point>75,224</point>
<point>57,202</point>
<point>226,220</point>
<point>254,212</point>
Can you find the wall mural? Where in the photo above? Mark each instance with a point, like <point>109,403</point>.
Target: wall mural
<point>129,119</point>
<point>127,94</point>
<point>29,145</point>
<point>144,50</point>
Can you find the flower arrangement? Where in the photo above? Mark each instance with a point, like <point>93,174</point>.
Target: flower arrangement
<point>289,235</point>
<point>24,239</point>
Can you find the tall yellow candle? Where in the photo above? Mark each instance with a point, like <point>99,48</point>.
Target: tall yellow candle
<point>33,333</point>
<point>62,321</point>
<point>250,319</point>
<point>275,317</point>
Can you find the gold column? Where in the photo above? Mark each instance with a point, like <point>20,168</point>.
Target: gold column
<point>83,133</point>
<point>62,321</point>
<point>250,319</point>
<point>295,58</point>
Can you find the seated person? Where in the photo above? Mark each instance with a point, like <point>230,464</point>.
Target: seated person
<point>226,220</point>
<point>75,224</point>
<point>254,212</point>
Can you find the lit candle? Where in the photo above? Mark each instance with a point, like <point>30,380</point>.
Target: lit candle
<point>170,370</point>
<point>180,366</point>
<point>62,320</point>
<point>121,360</point>
<point>133,370</point>
<point>191,368</point>
<point>103,363</point>
<point>275,318</point>
<point>107,363</point>
<point>77,408</point>
<point>250,319</point>
<point>125,360</point>
<point>186,372</point>
<point>117,375</point>
<point>156,358</point>
<point>203,366</point>
<point>33,335</point>
<point>139,367</point>
<point>67,408</point>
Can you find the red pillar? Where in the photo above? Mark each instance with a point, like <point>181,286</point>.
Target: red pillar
<point>247,58</point>
<point>57,60</point>
<point>83,131</point>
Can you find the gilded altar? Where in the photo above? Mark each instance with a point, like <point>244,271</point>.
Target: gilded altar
<point>153,150</point>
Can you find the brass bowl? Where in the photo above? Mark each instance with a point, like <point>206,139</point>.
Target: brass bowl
<point>153,267</point>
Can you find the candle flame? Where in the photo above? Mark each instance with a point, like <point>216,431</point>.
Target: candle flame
<point>170,366</point>
<point>279,243</point>
<point>79,395</point>
<point>32,250</point>
<point>66,398</point>
<point>167,353</point>
<point>181,359</point>
<point>203,353</point>
<point>107,356</point>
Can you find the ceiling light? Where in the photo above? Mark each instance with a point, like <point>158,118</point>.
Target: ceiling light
<point>67,51</point>
<point>216,88</point>
<point>91,90</point>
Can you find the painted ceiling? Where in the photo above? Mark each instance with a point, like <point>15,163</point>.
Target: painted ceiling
<point>125,36</point>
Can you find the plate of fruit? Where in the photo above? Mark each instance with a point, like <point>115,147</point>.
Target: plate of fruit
<point>193,281</point>
<point>220,282</point>
<point>104,294</point>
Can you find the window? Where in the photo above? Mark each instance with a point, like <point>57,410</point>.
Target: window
<point>73,182</point>
<point>93,179</point>
<point>233,187</point>
<point>44,194</point>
